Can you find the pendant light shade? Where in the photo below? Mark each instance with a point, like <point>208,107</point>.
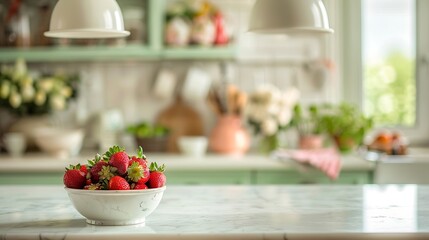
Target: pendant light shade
<point>86,19</point>
<point>289,16</point>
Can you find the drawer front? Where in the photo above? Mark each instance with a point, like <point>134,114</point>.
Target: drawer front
<point>312,177</point>
<point>208,177</point>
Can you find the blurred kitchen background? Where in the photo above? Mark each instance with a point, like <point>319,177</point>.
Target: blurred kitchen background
<point>192,83</point>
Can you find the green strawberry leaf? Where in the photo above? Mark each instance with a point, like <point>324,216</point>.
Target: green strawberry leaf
<point>71,167</point>
<point>140,153</point>
<point>95,160</point>
<point>155,168</point>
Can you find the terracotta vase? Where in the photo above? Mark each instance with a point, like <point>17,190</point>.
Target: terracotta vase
<point>310,142</point>
<point>345,144</point>
<point>229,137</point>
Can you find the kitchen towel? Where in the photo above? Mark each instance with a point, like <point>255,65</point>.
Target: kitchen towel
<point>326,160</point>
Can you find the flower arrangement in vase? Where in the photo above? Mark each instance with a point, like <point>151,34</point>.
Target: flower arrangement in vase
<point>29,100</point>
<point>23,95</point>
<point>269,112</point>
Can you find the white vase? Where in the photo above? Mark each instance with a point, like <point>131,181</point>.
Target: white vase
<point>26,126</point>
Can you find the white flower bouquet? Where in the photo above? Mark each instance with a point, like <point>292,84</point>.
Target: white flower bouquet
<point>24,95</point>
<point>269,111</point>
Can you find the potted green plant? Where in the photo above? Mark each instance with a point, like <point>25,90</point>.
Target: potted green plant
<point>306,121</point>
<point>345,123</point>
<point>152,138</point>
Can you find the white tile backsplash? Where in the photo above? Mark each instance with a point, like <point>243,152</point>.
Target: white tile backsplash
<point>128,86</point>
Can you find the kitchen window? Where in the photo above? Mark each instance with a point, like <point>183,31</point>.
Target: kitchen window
<point>384,49</point>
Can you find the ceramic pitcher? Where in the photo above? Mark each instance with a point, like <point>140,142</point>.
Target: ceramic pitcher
<point>228,136</point>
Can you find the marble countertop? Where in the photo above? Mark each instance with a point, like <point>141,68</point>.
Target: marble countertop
<point>39,162</point>
<point>231,212</point>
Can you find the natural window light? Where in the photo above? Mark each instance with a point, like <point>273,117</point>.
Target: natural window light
<point>389,61</point>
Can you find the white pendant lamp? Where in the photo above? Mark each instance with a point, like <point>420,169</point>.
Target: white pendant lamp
<point>289,17</point>
<point>87,19</point>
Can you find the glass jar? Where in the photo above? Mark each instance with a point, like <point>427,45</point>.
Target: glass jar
<point>17,27</point>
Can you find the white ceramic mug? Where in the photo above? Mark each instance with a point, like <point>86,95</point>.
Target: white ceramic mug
<point>193,145</point>
<point>15,143</point>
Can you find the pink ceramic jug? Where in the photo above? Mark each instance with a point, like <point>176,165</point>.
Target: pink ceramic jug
<point>229,136</point>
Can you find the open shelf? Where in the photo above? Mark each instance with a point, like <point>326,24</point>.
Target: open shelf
<point>153,49</point>
<point>46,54</point>
<point>49,54</point>
<point>228,52</point>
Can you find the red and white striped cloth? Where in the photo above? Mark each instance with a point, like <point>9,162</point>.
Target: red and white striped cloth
<point>327,160</point>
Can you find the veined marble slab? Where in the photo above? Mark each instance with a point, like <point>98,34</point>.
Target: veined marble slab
<point>231,212</point>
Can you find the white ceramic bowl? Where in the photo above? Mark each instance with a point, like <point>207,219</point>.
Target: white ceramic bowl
<point>110,207</point>
<point>193,146</point>
<point>60,142</point>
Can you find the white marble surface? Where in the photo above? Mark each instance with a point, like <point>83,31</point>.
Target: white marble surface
<point>40,162</point>
<point>231,212</point>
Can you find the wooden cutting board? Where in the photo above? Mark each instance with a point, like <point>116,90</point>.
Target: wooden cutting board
<point>182,120</point>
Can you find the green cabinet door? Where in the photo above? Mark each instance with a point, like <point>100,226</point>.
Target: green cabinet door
<point>312,177</point>
<point>31,178</point>
<point>208,177</point>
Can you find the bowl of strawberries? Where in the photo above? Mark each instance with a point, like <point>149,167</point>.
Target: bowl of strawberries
<point>115,188</point>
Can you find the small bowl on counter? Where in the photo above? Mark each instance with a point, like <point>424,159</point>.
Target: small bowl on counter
<point>59,142</point>
<point>115,207</point>
<point>193,145</point>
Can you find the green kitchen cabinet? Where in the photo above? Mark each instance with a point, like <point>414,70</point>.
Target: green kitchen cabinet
<point>210,177</point>
<point>312,177</point>
<point>32,178</point>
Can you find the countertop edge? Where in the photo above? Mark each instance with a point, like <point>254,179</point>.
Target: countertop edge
<point>232,236</point>
<point>41,163</point>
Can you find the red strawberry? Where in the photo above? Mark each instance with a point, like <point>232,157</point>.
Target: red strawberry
<point>120,160</point>
<point>138,171</point>
<point>95,171</point>
<point>84,169</point>
<point>157,178</point>
<point>88,182</point>
<point>141,160</point>
<point>118,183</point>
<point>140,186</point>
<point>74,178</point>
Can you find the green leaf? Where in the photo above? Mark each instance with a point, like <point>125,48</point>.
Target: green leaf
<point>155,168</point>
<point>140,153</point>
<point>72,167</point>
<point>95,160</point>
